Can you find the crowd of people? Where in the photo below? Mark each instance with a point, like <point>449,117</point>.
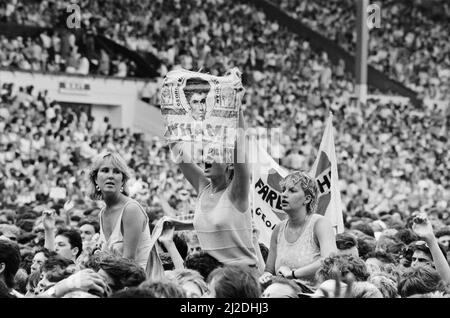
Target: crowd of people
<point>410,46</point>
<point>195,34</point>
<point>382,245</point>
<point>54,53</point>
<point>392,160</point>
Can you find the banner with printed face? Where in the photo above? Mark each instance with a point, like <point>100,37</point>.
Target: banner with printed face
<point>324,170</point>
<point>202,110</point>
<point>266,192</point>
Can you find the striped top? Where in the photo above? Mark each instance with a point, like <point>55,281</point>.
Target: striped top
<point>224,232</point>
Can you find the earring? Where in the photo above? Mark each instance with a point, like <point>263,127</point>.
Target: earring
<point>121,189</point>
<point>97,188</point>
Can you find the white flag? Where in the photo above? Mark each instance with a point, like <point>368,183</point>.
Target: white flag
<point>266,192</point>
<point>325,173</point>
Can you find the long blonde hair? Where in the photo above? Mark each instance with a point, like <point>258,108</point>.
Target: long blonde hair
<point>118,162</point>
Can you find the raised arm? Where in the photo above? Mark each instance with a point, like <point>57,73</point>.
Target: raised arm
<point>191,171</point>
<point>422,227</point>
<point>240,185</point>
<point>166,239</point>
<point>134,222</point>
<point>48,220</point>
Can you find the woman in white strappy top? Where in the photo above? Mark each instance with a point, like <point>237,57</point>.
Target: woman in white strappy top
<point>124,229</point>
<point>301,241</point>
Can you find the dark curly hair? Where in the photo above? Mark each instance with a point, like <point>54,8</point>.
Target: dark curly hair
<point>202,262</point>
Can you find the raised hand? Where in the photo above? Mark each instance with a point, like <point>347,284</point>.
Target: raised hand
<point>422,227</point>
<point>69,205</point>
<point>167,234</point>
<point>49,219</point>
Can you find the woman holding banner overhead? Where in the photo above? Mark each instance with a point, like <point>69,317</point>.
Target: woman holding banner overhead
<point>222,219</point>
<point>303,239</point>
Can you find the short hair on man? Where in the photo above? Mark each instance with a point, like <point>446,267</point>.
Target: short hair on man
<point>202,262</point>
<point>74,238</point>
<point>235,281</point>
<point>93,223</point>
<point>195,85</point>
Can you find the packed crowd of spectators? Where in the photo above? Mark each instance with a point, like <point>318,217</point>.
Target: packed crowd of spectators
<point>198,34</point>
<point>392,163</point>
<point>410,45</point>
<point>59,53</point>
<point>386,179</point>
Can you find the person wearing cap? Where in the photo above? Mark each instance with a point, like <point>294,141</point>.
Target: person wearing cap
<point>303,239</point>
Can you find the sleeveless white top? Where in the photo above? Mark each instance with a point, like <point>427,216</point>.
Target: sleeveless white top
<point>115,243</point>
<point>224,232</point>
<point>300,253</point>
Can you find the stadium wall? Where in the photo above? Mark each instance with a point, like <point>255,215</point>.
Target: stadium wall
<point>117,98</point>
